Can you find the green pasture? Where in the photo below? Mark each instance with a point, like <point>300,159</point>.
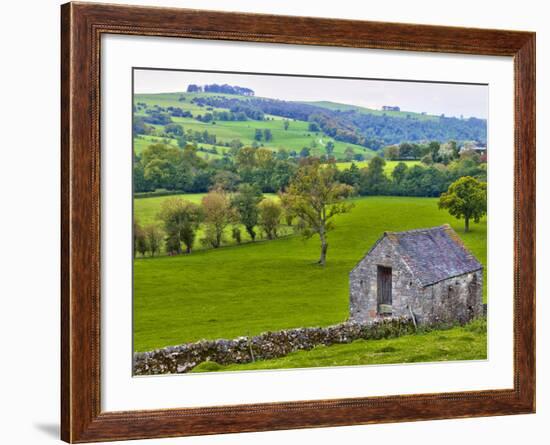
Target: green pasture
<point>269,285</point>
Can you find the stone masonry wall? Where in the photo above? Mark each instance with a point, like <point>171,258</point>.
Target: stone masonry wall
<point>363,284</point>
<point>183,358</point>
<point>455,300</point>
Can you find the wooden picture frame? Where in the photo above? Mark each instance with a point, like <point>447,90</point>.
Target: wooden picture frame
<point>82,26</point>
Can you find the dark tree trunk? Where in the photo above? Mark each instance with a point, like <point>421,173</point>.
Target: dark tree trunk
<point>324,248</point>
<point>466,225</point>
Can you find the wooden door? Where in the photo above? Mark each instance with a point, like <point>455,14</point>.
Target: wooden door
<point>384,290</point>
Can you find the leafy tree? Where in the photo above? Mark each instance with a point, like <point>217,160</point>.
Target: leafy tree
<point>138,235</point>
<point>140,240</point>
<point>235,144</point>
<point>282,154</point>
<point>268,136</point>
<point>373,179</point>
<point>409,151</point>
<point>246,158</point>
<point>226,180</point>
<point>258,134</point>
<point>399,172</point>
<point>139,126</point>
<point>181,220</point>
<point>329,147</point>
<point>286,124</point>
<point>245,202</point>
<point>466,198</point>
<point>154,238</point>
<point>286,204</point>
<point>192,88</point>
<point>313,127</point>
<point>140,183</point>
<point>391,152</point>
<point>427,159</point>
<point>315,197</point>
<point>218,214</point>
<point>349,152</point>
<point>469,153</point>
<point>305,152</point>
<point>433,148</point>
<point>175,129</point>
<point>269,217</point>
<point>236,234</point>
<point>350,176</point>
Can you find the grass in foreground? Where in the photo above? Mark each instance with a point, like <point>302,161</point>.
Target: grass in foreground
<point>460,343</point>
<point>253,288</point>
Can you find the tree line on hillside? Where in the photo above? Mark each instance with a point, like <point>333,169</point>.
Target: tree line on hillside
<point>367,129</point>
<point>162,166</point>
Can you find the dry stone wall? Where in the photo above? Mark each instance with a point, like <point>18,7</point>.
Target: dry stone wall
<point>269,345</point>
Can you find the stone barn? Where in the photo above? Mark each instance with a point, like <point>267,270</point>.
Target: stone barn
<point>425,272</point>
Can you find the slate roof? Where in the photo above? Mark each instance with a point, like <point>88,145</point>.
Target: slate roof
<point>434,254</point>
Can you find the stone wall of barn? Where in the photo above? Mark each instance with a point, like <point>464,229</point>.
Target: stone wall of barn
<point>363,284</point>
<point>455,300</point>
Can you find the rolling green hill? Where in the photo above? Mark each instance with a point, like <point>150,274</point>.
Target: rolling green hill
<point>294,138</point>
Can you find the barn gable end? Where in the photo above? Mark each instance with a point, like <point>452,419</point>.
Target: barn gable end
<point>433,277</point>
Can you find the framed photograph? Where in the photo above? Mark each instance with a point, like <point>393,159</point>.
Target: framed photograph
<point>275,222</point>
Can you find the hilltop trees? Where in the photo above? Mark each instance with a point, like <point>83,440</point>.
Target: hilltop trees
<point>315,197</point>
<point>466,198</point>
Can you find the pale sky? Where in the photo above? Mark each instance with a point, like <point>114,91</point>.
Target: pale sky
<point>433,98</point>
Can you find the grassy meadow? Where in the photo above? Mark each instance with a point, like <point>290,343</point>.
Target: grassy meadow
<point>270,285</point>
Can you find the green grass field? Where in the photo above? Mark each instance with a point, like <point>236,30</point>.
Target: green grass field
<point>256,287</point>
<point>460,343</point>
